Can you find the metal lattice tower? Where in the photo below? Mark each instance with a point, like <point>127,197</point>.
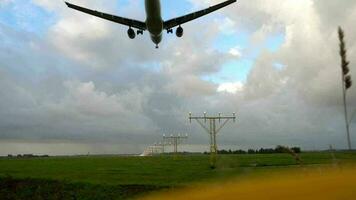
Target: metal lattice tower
<point>174,140</point>
<point>213,130</point>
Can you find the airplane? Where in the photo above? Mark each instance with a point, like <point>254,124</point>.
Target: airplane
<point>154,22</point>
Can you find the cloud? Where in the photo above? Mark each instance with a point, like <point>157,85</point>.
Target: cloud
<point>231,87</point>
<point>4,2</point>
<point>235,52</point>
<point>84,81</point>
<point>227,26</point>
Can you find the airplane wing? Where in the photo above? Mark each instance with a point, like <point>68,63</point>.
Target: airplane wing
<point>121,20</point>
<point>186,18</point>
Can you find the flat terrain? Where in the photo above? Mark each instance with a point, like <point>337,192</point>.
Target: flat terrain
<point>100,177</point>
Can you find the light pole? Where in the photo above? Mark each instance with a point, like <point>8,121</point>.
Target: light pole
<point>213,130</point>
<point>174,140</point>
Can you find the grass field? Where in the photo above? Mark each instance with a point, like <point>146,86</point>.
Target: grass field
<point>125,177</point>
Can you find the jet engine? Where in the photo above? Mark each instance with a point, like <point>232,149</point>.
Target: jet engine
<point>179,31</point>
<point>131,33</point>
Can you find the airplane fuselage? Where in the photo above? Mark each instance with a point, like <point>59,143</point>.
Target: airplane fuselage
<point>154,21</point>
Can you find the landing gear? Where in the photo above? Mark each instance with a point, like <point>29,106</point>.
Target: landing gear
<point>157,46</point>
<point>139,32</point>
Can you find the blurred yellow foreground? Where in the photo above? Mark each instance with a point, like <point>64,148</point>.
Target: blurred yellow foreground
<point>338,184</point>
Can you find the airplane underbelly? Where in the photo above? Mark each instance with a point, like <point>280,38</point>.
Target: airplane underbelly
<point>153,8</point>
<point>156,38</point>
<point>154,20</point>
<point>154,26</point>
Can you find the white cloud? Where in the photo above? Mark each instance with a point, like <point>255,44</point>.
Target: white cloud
<point>232,88</point>
<point>236,52</point>
<point>227,27</point>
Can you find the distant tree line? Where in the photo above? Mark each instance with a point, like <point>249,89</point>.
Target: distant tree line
<point>278,149</point>
<point>27,156</point>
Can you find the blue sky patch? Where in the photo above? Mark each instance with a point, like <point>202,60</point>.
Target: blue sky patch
<point>26,16</point>
<point>176,9</point>
<point>233,71</point>
<point>225,42</point>
<point>275,42</point>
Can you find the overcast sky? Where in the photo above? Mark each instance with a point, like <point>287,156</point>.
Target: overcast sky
<point>71,83</point>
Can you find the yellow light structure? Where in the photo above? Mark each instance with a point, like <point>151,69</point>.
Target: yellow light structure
<point>213,130</point>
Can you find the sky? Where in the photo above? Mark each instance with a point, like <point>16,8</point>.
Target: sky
<point>71,83</point>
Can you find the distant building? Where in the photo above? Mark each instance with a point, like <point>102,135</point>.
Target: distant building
<point>153,150</point>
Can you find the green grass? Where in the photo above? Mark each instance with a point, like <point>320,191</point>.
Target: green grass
<point>139,174</point>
